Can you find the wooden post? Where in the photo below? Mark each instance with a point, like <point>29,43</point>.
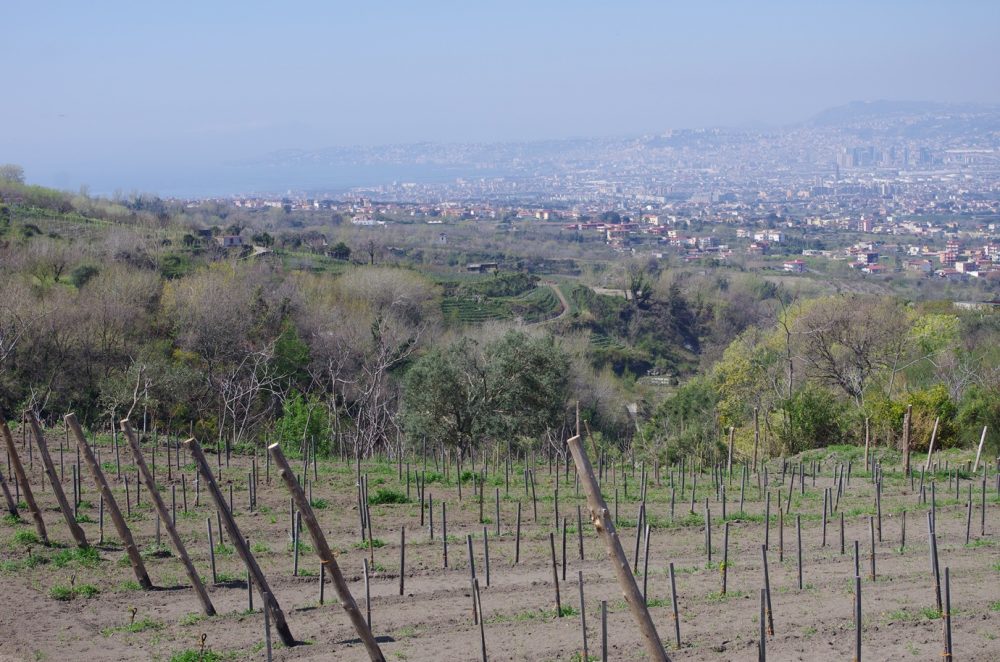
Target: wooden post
<point>402,558</point>
<point>8,497</point>
<point>555,572</point>
<point>605,528</point>
<point>134,557</point>
<point>238,541</point>
<point>867,438</point>
<point>729,460</point>
<point>767,589</point>
<point>857,619</point>
<point>161,510</point>
<point>979,451</point>
<point>21,478</point>
<point>930,447</point>
<point>583,617</point>
<point>673,605</point>
<point>326,556</point>
<point>50,471</point>
<point>906,440</point>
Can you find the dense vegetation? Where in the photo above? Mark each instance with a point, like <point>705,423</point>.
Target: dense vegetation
<point>129,307</point>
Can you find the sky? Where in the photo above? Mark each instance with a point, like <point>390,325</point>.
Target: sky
<point>148,96</point>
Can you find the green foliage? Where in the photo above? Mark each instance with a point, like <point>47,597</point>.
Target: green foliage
<point>978,408</point>
<point>685,423</point>
<point>82,275</point>
<point>503,285</point>
<point>87,557</point>
<point>386,495</point>
<point>25,538</point>
<point>466,391</point>
<point>340,251</point>
<point>194,655</point>
<point>304,419</point>
<point>815,419</point>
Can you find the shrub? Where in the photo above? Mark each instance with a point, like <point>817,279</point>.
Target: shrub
<point>385,495</point>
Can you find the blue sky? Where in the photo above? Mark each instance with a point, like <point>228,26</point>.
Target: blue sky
<point>137,92</point>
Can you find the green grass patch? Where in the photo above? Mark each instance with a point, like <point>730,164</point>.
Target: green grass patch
<point>192,618</point>
<point>385,495</point>
<point>375,542</point>
<point>66,593</point>
<point>141,625</point>
<point>25,538</point>
<point>86,557</point>
<point>194,655</point>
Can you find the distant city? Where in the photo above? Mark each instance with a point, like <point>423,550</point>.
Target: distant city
<point>916,181</point>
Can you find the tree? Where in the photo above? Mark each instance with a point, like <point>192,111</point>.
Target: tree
<point>11,173</point>
<point>467,391</point>
<point>340,251</point>
<point>846,339</point>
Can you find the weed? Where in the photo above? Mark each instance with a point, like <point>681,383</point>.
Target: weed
<point>143,624</point>
<point>25,538</point>
<point>375,542</point>
<point>129,585</point>
<point>320,504</point>
<point>192,655</point>
<point>384,495</point>
<point>192,618</point>
<point>87,557</point>
<point>260,548</point>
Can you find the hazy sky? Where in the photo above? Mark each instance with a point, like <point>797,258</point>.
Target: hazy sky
<point>138,93</point>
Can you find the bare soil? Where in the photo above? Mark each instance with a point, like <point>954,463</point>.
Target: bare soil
<point>433,619</point>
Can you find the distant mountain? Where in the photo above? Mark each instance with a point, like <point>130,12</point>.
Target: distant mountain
<point>911,119</point>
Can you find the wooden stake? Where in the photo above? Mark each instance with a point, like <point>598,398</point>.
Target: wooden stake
<point>402,558</point>
<point>583,616</point>
<point>930,447</point>
<point>604,631</point>
<point>161,510</point>
<point>50,471</point>
<point>857,619</point>
<point>22,480</point>
<point>979,450</point>
<point>555,572</point>
<point>767,589</point>
<point>605,528</point>
<point>326,556</point>
<point>673,606</point>
<point>108,499</point>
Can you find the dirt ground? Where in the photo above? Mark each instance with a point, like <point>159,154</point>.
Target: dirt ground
<point>433,619</point>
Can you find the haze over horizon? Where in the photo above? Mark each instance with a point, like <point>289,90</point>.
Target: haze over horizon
<point>126,96</point>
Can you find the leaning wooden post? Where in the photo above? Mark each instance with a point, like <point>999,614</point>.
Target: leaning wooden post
<point>930,447</point>
<point>605,528</point>
<point>325,555</point>
<point>50,471</point>
<point>134,557</point>
<point>238,541</point>
<point>22,478</point>
<point>979,451</point>
<point>164,515</point>
<point>8,497</point>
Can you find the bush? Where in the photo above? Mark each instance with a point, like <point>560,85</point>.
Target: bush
<point>815,419</point>
<point>303,419</point>
<point>82,275</point>
<point>383,495</point>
